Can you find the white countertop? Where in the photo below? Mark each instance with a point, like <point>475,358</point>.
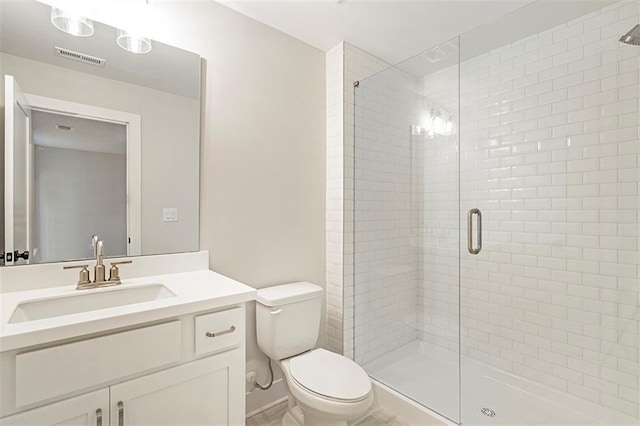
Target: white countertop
<point>194,291</point>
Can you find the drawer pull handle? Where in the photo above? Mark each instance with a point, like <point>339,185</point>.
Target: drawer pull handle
<point>99,417</point>
<point>120,413</point>
<point>221,333</point>
<point>276,312</point>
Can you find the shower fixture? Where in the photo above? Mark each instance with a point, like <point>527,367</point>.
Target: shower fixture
<point>632,37</point>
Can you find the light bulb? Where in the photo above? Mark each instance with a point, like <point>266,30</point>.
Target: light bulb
<point>71,23</point>
<point>133,43</point>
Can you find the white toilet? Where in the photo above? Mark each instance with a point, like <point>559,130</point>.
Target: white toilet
<point>324,388</point>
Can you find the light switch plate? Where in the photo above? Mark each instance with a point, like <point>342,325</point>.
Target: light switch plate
<point>170,214</point>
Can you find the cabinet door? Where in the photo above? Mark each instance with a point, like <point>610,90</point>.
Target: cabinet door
<point>91,409</point>
<point>204,392</point>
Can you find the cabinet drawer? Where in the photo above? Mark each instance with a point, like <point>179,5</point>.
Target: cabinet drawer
<point>56,371</point>
<point>219,330</point>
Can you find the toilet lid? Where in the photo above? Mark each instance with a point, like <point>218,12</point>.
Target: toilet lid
<point>330,375</point>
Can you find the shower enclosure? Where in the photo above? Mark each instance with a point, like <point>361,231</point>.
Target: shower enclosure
<point>496,220</point>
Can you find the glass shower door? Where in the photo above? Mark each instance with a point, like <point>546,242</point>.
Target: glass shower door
<point>496,220</point>
<point>406,234</point>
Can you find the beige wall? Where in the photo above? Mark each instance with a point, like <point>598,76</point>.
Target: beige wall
<point>263,149</point>
<point>169,127</point>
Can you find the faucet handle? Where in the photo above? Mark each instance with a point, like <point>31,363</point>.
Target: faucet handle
<point>114,272</point>
<point>83,279</point>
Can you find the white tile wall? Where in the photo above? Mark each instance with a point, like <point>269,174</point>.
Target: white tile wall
<point>345,65</point>
<point>335,204</point>
<point>386,267</point>
<point>358,65</point>
<point>437,193</point>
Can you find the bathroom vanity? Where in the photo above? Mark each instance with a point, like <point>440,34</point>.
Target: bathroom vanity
<point>167,345</point>
<point>158,349</point>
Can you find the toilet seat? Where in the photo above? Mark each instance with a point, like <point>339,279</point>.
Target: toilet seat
<point>330,376</point>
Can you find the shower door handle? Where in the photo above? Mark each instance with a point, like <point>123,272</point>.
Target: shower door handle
<point>470,247</point>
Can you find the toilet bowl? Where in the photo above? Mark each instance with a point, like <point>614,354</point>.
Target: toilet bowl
<point>324,388</point>
<point>329,388</point>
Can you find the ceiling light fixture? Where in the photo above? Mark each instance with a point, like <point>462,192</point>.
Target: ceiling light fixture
<point>437,121</point>
<point>71,23</point>
<point>133,43</point>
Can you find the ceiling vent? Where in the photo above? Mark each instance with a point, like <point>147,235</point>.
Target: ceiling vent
<point>79,57</point>
<point>439,53</point>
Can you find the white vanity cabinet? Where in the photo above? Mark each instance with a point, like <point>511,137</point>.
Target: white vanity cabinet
<point>91,409</point>
<point>185,370</point>
<point>201,392</point>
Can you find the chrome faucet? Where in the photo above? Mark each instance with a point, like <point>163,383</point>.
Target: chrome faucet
<point>84,281</point>
<point>99,270</point>
<point>94,243</point>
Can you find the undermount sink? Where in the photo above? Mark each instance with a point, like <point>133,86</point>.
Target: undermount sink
<point>86,301</point>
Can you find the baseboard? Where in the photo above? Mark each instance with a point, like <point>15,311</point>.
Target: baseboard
<point>258,400</point>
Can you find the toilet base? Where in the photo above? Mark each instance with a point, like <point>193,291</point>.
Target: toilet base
<point>289,420</point>
<point>310,420</point>
<point>294,417</point>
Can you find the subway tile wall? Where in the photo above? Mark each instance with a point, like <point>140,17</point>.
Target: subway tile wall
<point>345,64</point>
<point>386,255</point>
<point>334,197</point>
<point>358,65</point>
<point>437,178</point>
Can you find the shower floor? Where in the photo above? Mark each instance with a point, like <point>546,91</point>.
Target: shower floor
<point>429,375</point>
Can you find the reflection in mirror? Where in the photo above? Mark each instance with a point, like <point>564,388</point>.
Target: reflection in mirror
<point>98,141</point>
<point>90,156</point>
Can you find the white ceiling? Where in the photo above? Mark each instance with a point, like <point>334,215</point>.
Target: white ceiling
<point>397,30</point>
<point>533,18</point>
<point>392,30</point>
<point>85,134</point>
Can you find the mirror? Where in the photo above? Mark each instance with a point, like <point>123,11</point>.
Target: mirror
<point>97,140</point>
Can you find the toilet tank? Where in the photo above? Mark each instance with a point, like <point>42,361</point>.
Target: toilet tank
<point>288,319</point>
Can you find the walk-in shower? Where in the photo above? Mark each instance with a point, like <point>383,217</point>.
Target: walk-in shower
<point>496,220</point>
